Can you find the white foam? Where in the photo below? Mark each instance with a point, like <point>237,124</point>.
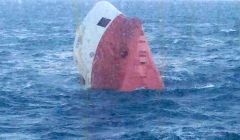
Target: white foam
<point>228,30</point>
<point>209,85</point>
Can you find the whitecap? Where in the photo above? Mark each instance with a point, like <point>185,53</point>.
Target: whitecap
<point>209,85</point>
<point>228,30</point>
<point>176,41</point>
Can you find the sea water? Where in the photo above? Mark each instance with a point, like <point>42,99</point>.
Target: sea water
<point>195,44</point>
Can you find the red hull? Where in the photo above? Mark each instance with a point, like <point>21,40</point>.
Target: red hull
<point>123,60</point>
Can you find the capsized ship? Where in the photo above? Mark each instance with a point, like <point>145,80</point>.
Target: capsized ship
<point>112,52</point>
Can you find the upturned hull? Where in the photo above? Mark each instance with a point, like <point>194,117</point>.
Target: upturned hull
<point>113,53</point>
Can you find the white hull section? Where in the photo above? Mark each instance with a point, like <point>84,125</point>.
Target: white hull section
<point>89,35</point>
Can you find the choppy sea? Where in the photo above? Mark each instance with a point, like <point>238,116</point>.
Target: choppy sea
<point>195,44</point>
